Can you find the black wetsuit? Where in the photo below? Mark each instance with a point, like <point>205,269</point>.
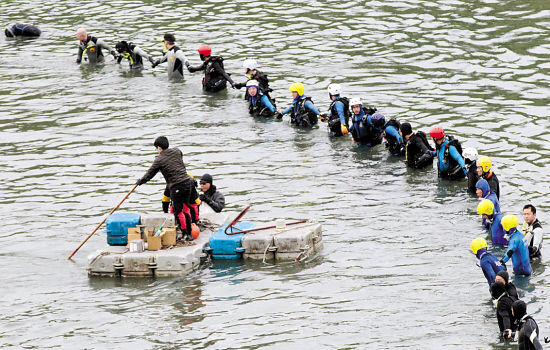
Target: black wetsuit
<point>21,29</point>
<point>528,334</point>
<point>213,198</point>
<point>472,177</point>
<point>418,152</point>
<point>215,78</point>
<point>504,313</point>
<point>494,185</point>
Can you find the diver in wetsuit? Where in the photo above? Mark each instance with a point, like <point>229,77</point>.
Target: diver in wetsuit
<point>91,48</point>
<point>215,77</point>
<point>133,54</point>
<point>174,57</point>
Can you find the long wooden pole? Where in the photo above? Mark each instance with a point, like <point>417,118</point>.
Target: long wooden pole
<point>101,223</point>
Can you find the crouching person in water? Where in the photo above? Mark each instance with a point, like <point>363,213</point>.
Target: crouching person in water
<point>450,164</point>
<point>259,104</point>
<point>527,333</point>
<point>517,247</point>
<point>394,141</point>
<point>170,163</point>
<point>133,54</point>
<point>366,125</point>
<point>174,57</point>
<point>338,119</point>
<point>91,48</point>
<point>210,195</point>
<point>489,263</point>
<point>302,111</point>
<point>22,30</point>
<point>215,78</point>
<point>418,151</point>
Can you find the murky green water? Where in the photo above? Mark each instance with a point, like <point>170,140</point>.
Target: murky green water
<point>395,272</point>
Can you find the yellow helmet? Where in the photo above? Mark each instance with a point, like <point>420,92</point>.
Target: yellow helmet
<point>485,163</point>
<point>485,207</point>
<point>298,87</point>
<point>509,222</point>
<point>477,244</point>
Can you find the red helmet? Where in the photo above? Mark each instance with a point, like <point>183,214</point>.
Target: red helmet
<point>205,50</point>
<point>437,132</point>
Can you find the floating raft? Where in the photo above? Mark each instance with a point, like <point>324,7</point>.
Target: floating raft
<point>118,261</point>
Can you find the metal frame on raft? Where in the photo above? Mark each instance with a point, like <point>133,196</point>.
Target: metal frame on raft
<point>240,216</point>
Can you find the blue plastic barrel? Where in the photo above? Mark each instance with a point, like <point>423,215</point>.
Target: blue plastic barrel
<point>118,225</point>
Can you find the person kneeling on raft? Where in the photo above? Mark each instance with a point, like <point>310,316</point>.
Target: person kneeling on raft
<point>366,124</point>
<point>491,220</point>
<point>90,48</point>
<point>210,195</point>
<point>418,151</point>
<point>302,111</point>
<point>450,164</point>
<point>133,54</point>
<point>339,113</point>
<point>215,78</point>
<point>23,30</point>
<point>260,104</point>
<point>489,264</point>
<point>517,248</point>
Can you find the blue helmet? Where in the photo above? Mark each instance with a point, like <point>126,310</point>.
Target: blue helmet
<point>378,120</point>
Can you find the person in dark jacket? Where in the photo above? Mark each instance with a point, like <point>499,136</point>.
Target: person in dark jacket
<point>215,78</point>
<point>210,195</point>
<point>22,30</point>
<point>90,48</point>
<point>527,333</point>
<point>170,163</point>
<point>503,303</point>
<point>488,262</point>
<point>504,277</point>
<point>418,152</point>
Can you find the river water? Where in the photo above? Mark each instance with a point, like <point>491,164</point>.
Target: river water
<point>396,271</point>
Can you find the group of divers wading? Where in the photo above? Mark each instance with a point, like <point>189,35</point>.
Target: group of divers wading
<point>368,127</point>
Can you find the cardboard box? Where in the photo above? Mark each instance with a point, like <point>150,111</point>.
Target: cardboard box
<point>132,236</point>
<point>154,243</point>
<point>146,234</point>
<point>168,235</point>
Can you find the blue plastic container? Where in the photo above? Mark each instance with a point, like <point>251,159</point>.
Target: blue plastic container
<point>118,225</point>
<point>224,246</point>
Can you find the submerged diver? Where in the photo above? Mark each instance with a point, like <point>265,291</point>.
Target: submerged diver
<point>133,54</point>
<point>484,165</point>
<point>366,124</point>
<point>450,164</point>
<point>338,119</point>
<point>174,57</point>
<point>90,48</point>
<point>532,229</point>
<point>492,221</point>
<point>215,77</point>
<point>302,111</point>
<point>23,30</point>
<point>418,151</point>
<point>252,73</point>
<point>489,264</point>
<point>260,104</point>
<point>518,249</point>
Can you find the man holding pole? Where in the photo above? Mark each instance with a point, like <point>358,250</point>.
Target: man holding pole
<point>170,163</point>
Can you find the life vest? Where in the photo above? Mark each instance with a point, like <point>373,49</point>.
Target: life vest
<point>302,116</point>
<point>363,131</point>
<point>334,119</point>
<point>91,50</point>
<point>259,108</point>
<point>454,170</point>
<point>213,80</point>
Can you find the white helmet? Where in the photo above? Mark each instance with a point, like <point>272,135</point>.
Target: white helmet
<point>334,89</point>
<point>470,153</point>
<point>355,101</point>
<point>250,63</point>
<point>252,82</point>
